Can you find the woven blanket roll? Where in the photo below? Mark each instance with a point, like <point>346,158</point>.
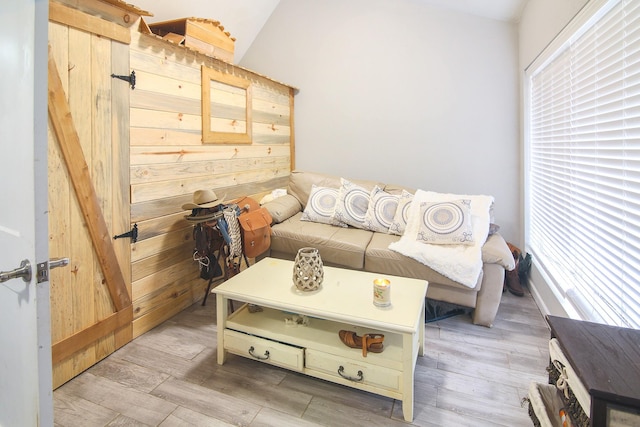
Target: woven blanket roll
<point>461,263</point>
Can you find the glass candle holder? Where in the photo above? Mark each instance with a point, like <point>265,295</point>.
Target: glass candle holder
<point>382,292</point>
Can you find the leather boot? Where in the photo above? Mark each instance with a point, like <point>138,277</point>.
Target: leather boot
<point>511,278</point>
<point>512,282</point>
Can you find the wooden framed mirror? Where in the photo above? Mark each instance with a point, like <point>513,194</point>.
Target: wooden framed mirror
<point>226,108</point>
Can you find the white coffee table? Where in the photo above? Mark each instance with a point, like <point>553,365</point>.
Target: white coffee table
<point>345,301</point>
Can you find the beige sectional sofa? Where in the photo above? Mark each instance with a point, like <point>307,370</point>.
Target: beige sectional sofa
<point>367,250</point>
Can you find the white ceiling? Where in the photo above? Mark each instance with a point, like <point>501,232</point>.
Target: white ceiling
<point>501,10</point>
<point>245,18</point>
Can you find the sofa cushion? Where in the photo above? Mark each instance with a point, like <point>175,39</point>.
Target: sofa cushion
<point>496,251</point>
<point>337,245</point>
<point>397,190</point>
<point>282,208</point>
<point>380,259</point>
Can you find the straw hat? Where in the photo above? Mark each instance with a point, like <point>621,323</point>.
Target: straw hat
<point>203,199</point>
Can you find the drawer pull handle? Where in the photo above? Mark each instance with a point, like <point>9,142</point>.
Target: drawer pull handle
<point>347,377</point>
<point>265,357</point>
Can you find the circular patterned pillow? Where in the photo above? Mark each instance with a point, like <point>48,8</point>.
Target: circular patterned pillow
<point>385,209</point>
<point>356,202</point>
<point>443,218</point>
<point>352,204</point>
<point>321,205</point>
<point>446,223</point>
<point>382,208</point>
<point>401,217</point>
<point>323,202</point>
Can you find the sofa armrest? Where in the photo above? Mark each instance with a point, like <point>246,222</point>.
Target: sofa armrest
<point>489,296</point>
<point>283,208</point>
<point>496,251</point>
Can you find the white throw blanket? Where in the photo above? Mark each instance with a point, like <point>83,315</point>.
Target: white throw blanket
<point>460,263</point>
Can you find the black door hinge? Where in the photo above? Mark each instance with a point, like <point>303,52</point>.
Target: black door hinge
<point>131,78</point>
<point>133,234</point>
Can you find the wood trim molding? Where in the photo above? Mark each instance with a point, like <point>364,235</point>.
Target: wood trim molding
<point>217,137</point>
<point>67,137</point>
<point>292,140</point>
<point>76,342</point>
<point>83,21</point>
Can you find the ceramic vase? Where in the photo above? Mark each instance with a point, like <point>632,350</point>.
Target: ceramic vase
<point>308,272</point>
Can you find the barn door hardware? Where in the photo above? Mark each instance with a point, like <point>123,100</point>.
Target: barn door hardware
<point>131,78</point>
<point>42,269</point>
<point>132,234</point>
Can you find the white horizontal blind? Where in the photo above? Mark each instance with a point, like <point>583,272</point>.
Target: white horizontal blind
<point>583,151</point>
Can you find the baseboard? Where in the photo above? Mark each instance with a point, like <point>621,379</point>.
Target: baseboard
<point>545,296</point>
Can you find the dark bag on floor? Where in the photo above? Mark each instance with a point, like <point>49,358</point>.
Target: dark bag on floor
<point>208,241</point>
<point>211,268</point>
<point>256,232</point>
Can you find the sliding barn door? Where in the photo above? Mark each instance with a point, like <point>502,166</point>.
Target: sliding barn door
<point>91,312</point>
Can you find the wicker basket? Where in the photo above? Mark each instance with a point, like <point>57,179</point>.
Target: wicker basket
<point>577,414</point>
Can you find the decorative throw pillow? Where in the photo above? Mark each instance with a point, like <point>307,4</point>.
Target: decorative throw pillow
<point>399,222</point>
<point>446,223</point>
<point>352,204</point>
<point>321,205</point>
<point>381,210</point>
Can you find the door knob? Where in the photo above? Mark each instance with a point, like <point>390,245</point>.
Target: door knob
<point>23,271</point>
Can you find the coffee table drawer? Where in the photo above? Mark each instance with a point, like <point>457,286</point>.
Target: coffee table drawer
<point>355,371</point>
<point>264,350</point>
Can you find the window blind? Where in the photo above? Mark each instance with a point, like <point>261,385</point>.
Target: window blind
<point>583,162</point>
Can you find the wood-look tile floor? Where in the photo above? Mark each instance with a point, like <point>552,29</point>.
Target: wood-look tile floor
<point>469,376</point>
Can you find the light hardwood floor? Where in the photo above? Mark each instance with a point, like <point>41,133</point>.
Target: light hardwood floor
<point>469,376</point>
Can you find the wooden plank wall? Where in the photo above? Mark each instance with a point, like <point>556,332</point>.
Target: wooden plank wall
<point>168,162</point>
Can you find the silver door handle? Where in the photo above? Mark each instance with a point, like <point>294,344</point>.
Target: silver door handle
<point>23,271</point>
<point>58,262</point>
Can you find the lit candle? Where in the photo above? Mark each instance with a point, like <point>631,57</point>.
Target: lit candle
<point>382,292</point>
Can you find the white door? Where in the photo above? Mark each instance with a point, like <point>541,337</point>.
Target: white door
<point>25,346</point>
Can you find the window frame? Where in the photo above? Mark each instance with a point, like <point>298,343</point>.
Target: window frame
<point>210,136</point>
<point>582,22</point>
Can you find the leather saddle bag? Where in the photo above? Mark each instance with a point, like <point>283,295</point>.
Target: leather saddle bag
<point>256,231</point>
